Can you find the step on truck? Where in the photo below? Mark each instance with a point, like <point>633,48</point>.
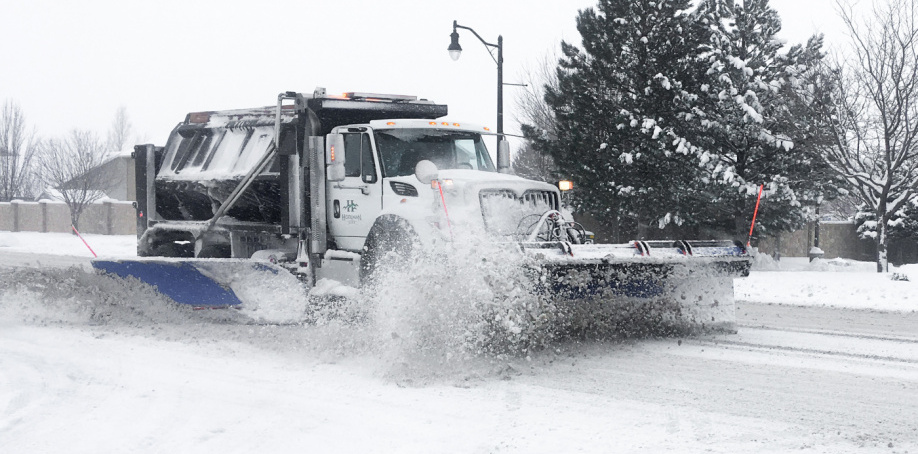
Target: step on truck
<point>324,187</point>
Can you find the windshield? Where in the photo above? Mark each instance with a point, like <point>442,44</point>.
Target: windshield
<point>401,149</point>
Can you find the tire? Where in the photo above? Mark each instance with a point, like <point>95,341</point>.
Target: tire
<point>390,243</point>
<point>173,249</point>
<point>215,251</point>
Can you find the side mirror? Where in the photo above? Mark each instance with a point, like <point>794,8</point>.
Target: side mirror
<point>503,156</point>
<point>334,157</point>
<point>426,171</point>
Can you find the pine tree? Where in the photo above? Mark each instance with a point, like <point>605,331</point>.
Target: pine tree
<point>755,121</point>
<point>672,116</point>
<point>617,104</point>
<point>902,225</point>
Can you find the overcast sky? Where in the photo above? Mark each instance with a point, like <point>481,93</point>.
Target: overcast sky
<point>71,64</point>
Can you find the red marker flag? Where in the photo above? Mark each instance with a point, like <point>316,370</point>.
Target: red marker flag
<point>84,241</point>
<point>754,214</point>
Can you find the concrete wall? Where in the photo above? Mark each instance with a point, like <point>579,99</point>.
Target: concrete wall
<point>107,218</point>
<point>836,239</point>
<point>28,216</point>
<point>6,217</point>
<point>123,218</point>
<point>57,216</point>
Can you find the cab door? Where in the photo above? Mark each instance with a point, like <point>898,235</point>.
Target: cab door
<point>355,202</point>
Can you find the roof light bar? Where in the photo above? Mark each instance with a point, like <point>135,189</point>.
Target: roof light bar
<point>199,117</point>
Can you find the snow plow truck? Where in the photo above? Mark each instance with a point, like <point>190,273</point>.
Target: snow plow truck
<point>326,187</point>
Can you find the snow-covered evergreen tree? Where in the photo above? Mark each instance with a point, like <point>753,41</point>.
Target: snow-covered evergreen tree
<point>669,115</point>
<point>904,224</point>
<point>755,122</point>
<point>619,134</point>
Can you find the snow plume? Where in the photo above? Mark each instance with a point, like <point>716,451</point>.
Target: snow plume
<point>454,302</point>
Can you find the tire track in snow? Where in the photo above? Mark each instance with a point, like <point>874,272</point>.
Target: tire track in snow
<point>810,351</point>
<point>835,333</point>
<point>813,330</point>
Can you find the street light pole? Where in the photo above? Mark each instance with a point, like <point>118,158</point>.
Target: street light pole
<point>455,51</point>
<point>500,87</point>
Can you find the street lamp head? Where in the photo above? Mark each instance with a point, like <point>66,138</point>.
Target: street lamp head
<point>455,50</point>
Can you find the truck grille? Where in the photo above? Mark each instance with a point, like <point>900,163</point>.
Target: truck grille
<point>506,213</point>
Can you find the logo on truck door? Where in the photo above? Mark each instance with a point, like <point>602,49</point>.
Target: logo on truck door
<point>350,207</point>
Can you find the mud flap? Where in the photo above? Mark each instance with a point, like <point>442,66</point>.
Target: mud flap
<point>203,283</point>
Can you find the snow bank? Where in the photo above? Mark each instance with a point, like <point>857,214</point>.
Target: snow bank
<point>68,244</point>
<point>8,240</point>
<point>829,282</point>
<point>764,262</point>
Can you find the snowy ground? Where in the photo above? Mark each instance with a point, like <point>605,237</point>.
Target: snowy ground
<point>825,360</point>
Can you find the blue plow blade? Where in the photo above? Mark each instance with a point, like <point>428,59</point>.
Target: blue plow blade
<point>181,281</point>
<point>642,269</point>
<point>580,281</point>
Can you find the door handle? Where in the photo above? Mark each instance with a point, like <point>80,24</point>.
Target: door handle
<point>364,189</point>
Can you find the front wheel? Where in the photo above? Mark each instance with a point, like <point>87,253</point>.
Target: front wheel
<point>216,251</point>
<point>389,244</point>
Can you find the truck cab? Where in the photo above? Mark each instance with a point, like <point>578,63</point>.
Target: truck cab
<point>379,171</point>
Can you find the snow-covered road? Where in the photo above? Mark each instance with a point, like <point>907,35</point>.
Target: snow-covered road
<point>81,373</point>
<point>226,388</point>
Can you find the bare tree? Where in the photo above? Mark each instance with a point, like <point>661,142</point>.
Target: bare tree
<point>72,166</point>
<point>537,119</point>
<point>120,132</point>
<point>18,147</point>
<point>874,119</point>
<point>531,103</point>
